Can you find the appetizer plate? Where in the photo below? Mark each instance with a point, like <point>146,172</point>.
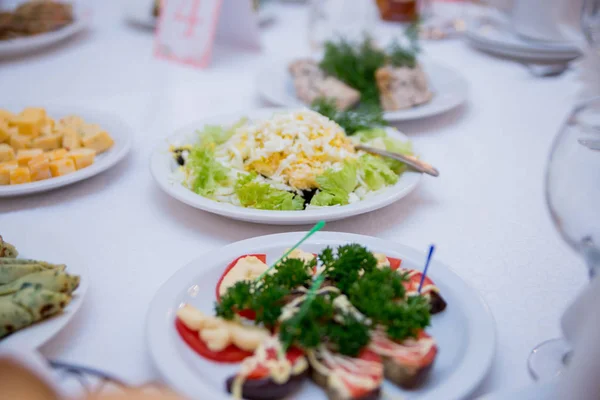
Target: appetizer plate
<point>118,129</point>
<point>41,332</point>
<point>163,166</point>
<point>465,331</point>
<point>450,89</point>
<point>29,44</point>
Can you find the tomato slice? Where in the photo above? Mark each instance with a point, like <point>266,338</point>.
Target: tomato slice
<point>357,391</point>
<point>249,314</point>
<point>230,354</point>
<point>394,263</point>
<point>261,371</point>
<point>413,356</point>
<point>415,280</point>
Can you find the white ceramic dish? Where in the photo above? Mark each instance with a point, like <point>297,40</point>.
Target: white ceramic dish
<point>465,331</point>
<point>449,88</point>
<point>118,129</point>
<point>39,333</point>
<point>30,44</point>
<point>162,166</point>
<point>494,34</point>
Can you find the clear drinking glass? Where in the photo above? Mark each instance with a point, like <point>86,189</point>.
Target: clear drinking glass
<point>573,198</point>
<point>331,19</point>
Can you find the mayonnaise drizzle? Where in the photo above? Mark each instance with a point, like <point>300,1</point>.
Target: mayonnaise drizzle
<point>409,348</point>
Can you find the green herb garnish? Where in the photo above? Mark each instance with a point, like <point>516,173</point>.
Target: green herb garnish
<point>352,121</point>
<point>347,265</point>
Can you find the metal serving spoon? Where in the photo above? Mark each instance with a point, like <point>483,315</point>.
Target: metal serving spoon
<point>411,161</point>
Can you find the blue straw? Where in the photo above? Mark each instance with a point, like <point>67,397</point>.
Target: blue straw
<point>431,250</point>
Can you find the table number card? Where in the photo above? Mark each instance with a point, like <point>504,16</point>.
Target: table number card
<point>187,29</point>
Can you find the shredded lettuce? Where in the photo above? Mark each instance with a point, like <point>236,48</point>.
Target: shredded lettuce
<point>336,186</point>
<point>265,197</point>
<point>369,134</point>
<point>207,174</point>
<point>375,172</point>
<point>397,146</point>
<point>216,134</point>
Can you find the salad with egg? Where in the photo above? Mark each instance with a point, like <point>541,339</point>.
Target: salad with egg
<point>291,161</point>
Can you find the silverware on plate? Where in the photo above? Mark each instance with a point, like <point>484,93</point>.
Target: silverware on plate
<point>411,161</point>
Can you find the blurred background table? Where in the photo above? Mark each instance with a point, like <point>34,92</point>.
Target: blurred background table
<point>485,213</point>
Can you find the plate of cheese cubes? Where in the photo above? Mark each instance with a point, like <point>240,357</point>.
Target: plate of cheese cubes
<point>45,148</point>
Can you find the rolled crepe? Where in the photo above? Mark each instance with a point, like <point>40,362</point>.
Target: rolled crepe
<point>7,249</point>
<point>8,260</point>
<point>12,316</point>
<point>12,272</point>
<point>50,279</point>
<point>41,303</point>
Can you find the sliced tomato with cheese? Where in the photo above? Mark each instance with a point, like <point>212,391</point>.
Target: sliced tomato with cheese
<point>360,375</point>
<point>249,314</point>
<point>414,280</point>
<point>419,352</point>
<point>230,354</point>
<point>395,263</point>
<point>261,371</point>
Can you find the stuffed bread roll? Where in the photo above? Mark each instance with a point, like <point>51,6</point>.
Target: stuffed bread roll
<point>12,316</point>
<point>7,249</point>
<point>11,272</point>
<point>51,279</point>
<point>41,303</point>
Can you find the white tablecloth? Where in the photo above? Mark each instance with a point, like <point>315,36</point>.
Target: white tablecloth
<point>486,213</point>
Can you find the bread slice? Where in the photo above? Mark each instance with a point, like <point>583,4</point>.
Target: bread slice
<point>402,88</point>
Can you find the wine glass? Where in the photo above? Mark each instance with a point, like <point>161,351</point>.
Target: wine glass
<point>573,199</point>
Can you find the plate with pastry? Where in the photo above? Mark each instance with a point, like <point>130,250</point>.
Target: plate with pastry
<point>394,80</point>
<point>34,25</point>
<point>44,148</point>
<point>335,316</point>
<point>37,297</point>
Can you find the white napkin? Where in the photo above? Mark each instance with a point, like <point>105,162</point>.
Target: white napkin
<point>581,327</point>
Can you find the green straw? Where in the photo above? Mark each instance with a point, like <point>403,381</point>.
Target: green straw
<point>319,225</point>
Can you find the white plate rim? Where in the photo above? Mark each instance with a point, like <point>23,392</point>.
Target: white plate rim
<point>40,333</point>
<point>430,109</point>
<point>160,315</point>
<point>123,138</point>
<point>24,45</point>
<point>161,158</point>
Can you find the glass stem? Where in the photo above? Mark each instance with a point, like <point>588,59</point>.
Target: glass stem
<point>591,253</point>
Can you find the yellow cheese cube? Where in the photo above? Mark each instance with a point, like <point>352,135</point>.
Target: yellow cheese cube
<point>100,142</point>
<point>35,113</point>
<point>57,154</point>
<point>5,169</point>
<point>4,131</point>
<point>49,142</point>
<point>6,115</point>
<point>19,142</point>
<point>72,121</point>
<point>27,125</point>
<point>19,175</point>
<point>39,168</point>
<point>71,139</point>
<point>62,167</point>
<point>6,153</point>
<point>82,157</point>
<point>24,156</point>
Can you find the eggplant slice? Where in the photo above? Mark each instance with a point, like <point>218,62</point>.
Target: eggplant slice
<point>405,377</point>
<point>436,302</point>
<point>267,389</point>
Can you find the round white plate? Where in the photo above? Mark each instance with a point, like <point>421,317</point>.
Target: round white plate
<point>39,333</point>
<point>29,44</point>
<point>120,132</point>
<point>162,166</point>
<point>494,34</point>
<point>465,331</point>
<point>449,88</point>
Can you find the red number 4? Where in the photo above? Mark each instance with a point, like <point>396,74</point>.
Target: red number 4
<point>191,17</point>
